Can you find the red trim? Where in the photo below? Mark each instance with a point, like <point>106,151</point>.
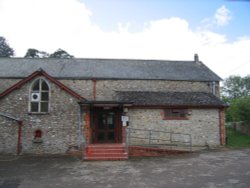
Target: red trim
<point>19,84</point>
<point>222,127</point>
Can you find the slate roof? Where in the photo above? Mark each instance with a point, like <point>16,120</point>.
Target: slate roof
<point>147,98</point>
<point>108,69</point>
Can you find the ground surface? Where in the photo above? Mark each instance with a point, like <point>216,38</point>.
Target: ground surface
<point>226,168</point>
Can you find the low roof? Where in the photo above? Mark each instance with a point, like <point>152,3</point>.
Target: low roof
<point>195,99</point>
<point>9,117</point>
<point>108,69</point>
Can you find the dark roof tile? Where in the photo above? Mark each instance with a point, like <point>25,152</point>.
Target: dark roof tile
<point>108,69</point>
<point>170,98</point>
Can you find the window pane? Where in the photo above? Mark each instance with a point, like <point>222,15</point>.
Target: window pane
<point>36,86</point>
<point>45,87</point>
<point>34,106</point>
<point>111,136</point>
<point>175,113</point>
<point>44,106</point>
<point>45,96</point>
<point>168,112</point>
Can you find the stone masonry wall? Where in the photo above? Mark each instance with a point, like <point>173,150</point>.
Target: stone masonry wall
<point>105,89</point>
<point>6,83</point>
<point>203,125</point>
<point>8,136</point>
<point>59,127</point>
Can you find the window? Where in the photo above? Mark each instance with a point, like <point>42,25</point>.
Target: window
<point>39,96</point>
<point>177,114</point>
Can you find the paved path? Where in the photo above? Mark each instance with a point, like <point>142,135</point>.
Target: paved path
<point>226,168</point>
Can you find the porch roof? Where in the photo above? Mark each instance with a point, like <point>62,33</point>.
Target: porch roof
<point>171,99</point>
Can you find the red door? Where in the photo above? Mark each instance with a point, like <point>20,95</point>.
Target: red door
<point>107,127</point>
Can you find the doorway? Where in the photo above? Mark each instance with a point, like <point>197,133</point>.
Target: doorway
<point>106,126</point>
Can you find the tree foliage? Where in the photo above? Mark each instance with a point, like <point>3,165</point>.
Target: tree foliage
<point>5,49</point>
<point>236,86</point>
<point>34,53</point>
<point>239,110</point>
<point>61,54</point>
<point>236,92</point>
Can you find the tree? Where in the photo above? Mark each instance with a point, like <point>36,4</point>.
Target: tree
<point>236,92</point>
<point>5,49</point>
<point>60,54</point>
<point>34,53</point>
<point>239,110</point>
<point>236,86</point>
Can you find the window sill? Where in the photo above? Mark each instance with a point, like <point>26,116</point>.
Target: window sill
<point>176,118</point>
<point>38,113</point>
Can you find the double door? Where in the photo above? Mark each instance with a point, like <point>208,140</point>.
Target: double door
<point>106,126</point>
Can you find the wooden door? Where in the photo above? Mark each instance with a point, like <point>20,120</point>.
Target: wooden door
<point>105,129</point>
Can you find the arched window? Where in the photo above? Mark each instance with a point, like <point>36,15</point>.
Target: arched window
<point>39,96</point>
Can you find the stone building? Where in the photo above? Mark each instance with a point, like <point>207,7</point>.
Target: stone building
<point>51,106</point>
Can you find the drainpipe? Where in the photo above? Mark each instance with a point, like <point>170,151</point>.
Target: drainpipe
<point>213,88</point>
<point>20,124</point>
<point>222,126</point>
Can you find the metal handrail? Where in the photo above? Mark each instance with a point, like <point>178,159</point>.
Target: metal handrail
<point>149,137</point>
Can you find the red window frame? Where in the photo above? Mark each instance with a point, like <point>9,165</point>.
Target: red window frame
<point>176,114</point>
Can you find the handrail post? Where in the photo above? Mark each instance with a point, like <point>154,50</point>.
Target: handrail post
<point>128,136</point>
<point>150,133</point>
<point>190,142</point>
<point>171,140</point>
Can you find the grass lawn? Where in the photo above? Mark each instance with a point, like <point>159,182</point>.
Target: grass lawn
<point>236,139</point>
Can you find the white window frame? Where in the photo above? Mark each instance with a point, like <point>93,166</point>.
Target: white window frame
<point>40,91</point>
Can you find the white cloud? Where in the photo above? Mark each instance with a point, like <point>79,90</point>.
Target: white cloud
<point>51,24</point>
<point>222,16</point>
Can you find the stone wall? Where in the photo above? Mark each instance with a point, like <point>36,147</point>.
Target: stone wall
<point>203,125</point>
<point>105,89</point>
<point>60,127</point>
<point>8,136</point>
<point>6,83</point>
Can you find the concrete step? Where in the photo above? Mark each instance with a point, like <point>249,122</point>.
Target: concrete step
<point>88,158</point>
<point>106,152</point>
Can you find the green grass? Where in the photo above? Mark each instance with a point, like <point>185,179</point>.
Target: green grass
<point>236,139</point>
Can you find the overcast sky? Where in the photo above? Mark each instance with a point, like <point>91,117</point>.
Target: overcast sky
<point>218,30</point>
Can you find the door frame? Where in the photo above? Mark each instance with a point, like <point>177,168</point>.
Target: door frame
<point>117,123</point>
